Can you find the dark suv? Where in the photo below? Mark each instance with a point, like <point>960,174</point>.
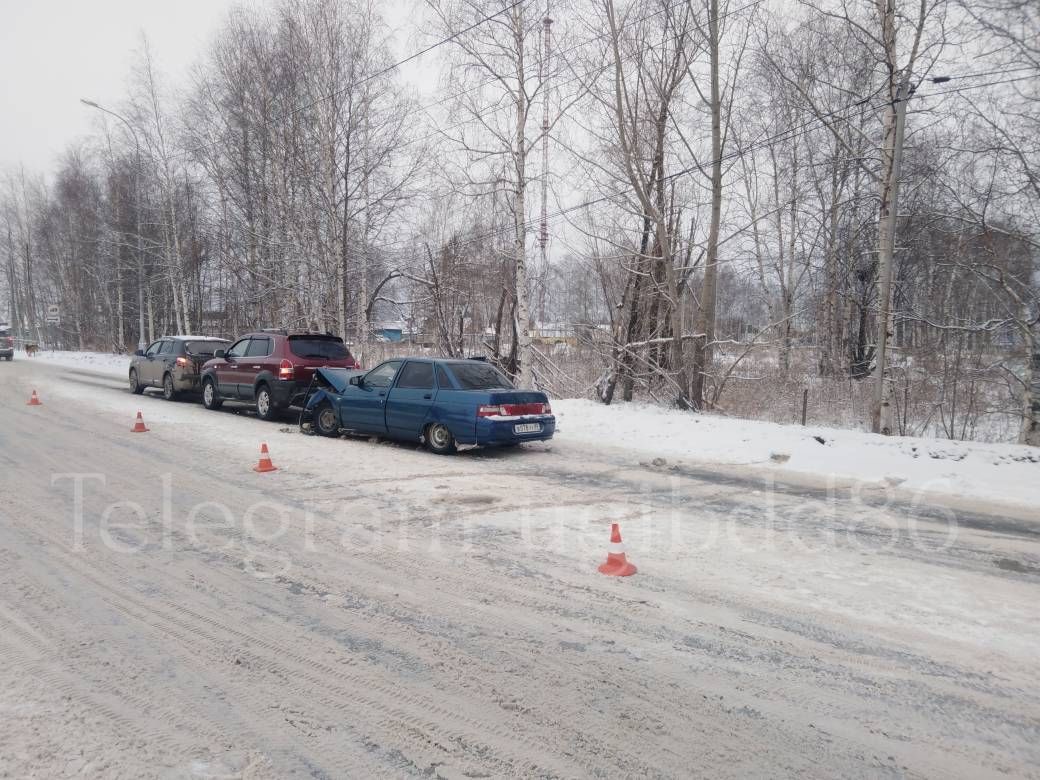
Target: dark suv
<point>6,344</point>
<point>271,369</point>
<point>172,363</point>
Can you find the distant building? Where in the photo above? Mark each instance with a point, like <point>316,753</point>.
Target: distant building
<point>393,330</point>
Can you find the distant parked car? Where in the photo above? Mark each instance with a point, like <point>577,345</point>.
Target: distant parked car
<point>271,369</point>
<point>173,363</point>
<point>6,344</point>
<point>441,403</point>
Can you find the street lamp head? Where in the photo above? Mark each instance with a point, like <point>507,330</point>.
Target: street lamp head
<point>90,103</point>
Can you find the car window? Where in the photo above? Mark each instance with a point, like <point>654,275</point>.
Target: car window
<point>169,347</point>
<point>153,349</point>
<point>207,347</point>
<point>416,376</point>
<point>442,379</point>
<point>238,349</point>
<point>479,376</point>
<point>382,376</point>
<point>259,348</point>
<point>317,346</point>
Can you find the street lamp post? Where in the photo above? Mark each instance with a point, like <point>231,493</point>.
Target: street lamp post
<point>141,343</point>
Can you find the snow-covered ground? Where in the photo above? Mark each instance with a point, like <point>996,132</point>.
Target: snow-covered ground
<point>1005,473</point>
<point>373,610</point>
<point>989,472</point>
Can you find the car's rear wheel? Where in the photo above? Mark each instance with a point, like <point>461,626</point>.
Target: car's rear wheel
<point>439,439</point>
<point>265,408</point>
<point>169,392</point>
<point>210,399</point>
<point>135,384</point>
<point>326,421</point>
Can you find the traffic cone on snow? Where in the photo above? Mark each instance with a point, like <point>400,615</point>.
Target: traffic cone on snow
<point>35,400</point>
<point>265,463</point>
<point>139,424</point>
<point>617,565</point>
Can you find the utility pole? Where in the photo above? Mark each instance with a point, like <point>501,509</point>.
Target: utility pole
<point>895,121</point>
<point>141,343</point>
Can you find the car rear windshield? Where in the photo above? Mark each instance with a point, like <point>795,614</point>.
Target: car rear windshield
<point>325,347</point>
<point>479,376</point>
<point>204,347</point>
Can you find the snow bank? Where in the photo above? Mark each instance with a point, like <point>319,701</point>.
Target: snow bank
<point>1001,472</point>
<point>101,362</point>
<point>984,471</point>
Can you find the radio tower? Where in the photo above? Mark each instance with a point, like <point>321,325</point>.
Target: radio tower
<point>543,230</point>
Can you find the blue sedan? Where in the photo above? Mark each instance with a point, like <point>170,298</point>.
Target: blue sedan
<point>440,403</point>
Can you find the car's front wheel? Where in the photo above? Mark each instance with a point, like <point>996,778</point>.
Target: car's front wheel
<point>169,392</point>
<point>326,421</point>
<point>210,399</point>
<point>135,384</point>
<point>439,439</point>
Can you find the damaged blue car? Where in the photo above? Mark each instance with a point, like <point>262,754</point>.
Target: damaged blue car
<point>441,403</point>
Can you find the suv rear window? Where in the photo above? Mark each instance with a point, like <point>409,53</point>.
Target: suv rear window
<point>325,347</point>
<point>204,347</point>
<point>479,376</point>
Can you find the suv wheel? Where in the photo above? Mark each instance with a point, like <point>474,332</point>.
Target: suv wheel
<point>265,408</point>
<point>168,390</point>
<point>210,399</point>
<point>439,439</point>
<point>135,386</point>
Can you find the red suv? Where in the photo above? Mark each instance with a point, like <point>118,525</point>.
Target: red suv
<point>271,369</point>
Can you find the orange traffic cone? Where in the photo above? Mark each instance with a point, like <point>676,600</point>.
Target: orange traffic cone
<point>139,424</point>
<point>617,565</point>
<point>265,463</point>
<point>35,400</point>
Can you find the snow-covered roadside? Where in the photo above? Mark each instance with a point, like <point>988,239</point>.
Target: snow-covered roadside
<point>991,472</point>
<point>102,362</point>
<point>987,472</point>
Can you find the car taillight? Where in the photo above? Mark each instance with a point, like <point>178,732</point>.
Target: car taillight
<point>490,411</point>
<point>10,341</point>
<point>517,410</point>
<point>286,370</point>
<point>183,362</point>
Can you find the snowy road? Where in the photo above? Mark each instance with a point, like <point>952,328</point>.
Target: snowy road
<point>370,610</point>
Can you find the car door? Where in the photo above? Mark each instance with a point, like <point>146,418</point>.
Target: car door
<point>255,361</point>
<point>228,371</point>
<point>147,373</point>
<point>409,400</point>
<point>365,408</point>
<point>165,360</point>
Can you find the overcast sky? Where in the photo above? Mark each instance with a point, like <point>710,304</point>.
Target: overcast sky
<point>53,52</point>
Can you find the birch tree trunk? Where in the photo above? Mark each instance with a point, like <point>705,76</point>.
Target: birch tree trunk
<point>704,341</point>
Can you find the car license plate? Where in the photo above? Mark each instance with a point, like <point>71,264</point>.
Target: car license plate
<point>527,428</point>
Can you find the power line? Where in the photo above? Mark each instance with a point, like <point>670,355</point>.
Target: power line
<point>440,101</point>
<point>786,134</point>
<point>582,44</point>
<point>372,76</point>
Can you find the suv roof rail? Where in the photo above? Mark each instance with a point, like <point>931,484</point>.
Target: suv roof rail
<point>276,331</point>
